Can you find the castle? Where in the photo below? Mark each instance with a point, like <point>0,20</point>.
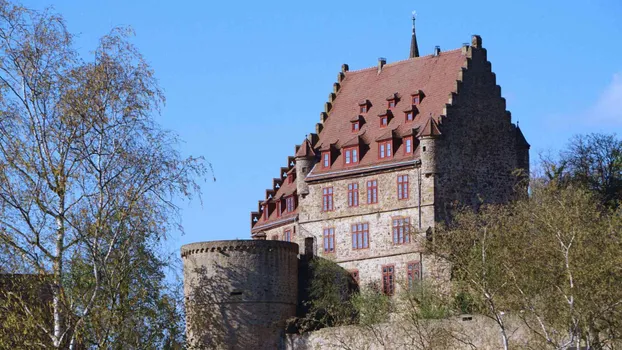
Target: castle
<point>397,146</point>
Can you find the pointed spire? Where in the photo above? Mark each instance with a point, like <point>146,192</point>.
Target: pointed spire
<point>414,49</point>
<point>430,129</point>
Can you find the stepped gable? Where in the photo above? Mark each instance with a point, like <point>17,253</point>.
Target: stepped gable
<point>281,188</point>
<point>433,76</point>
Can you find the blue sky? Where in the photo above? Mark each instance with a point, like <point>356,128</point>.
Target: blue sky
<point>246,81</point>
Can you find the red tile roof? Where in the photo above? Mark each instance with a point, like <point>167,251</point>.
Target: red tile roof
<point>285,189</point>
<point>434,76</point>
<point>305,150</point>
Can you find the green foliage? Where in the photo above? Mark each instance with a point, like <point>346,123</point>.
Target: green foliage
<point>372,306</point>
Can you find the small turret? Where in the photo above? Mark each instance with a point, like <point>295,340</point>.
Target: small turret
<point>427,142</point>
<point>305,159</point>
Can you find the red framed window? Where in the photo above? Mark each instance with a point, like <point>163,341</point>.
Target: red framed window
<point>355,126</point>
<point>329,240</point>
<point>265,212</point>
<point>351,156</point>
<point>353,195</point>
<point>384,149</point>
<point>413,274</point>
<point>279,208</point>
<point>402,187</point>
<point>409,116</point>
<point>363,108</point>
<point>391,104</point>
<point>327,199</point>
<point>290,204</point>
<point>287,235</point>
<point>384,121</point>
<point>360,236</point>
<point>388,279</point>
<point>291,177</point>
<point>355,275</point>
<point>408,145</point>
<point>401,230</point>
<point>416,99</point>
<point>372,191</point>
<point>326,159</point>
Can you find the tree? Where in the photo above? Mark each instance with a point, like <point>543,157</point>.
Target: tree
<point>591,161</point>
<point>88,181</point>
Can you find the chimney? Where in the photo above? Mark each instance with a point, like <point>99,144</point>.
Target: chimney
<point>381,62</point>
<point>437,50</point>
<point>476,41</point>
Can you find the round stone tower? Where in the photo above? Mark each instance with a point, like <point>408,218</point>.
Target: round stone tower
<point>239,293</point>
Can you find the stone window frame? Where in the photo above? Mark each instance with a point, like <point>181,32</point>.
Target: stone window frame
<point>374,193</point>
<point>328,203</point>
<point>351,155</point>
<point>403,188</point>
<point>388,279</point>
<point>353,194</point>
<point>411,278</point>
<point>385,149</point>
<point>361,235</point>
<point>327,239</point>
<point>291,235</point>
<point>404,225</point>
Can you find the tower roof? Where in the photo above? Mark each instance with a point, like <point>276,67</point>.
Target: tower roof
<point>414,48</point>
<point>430,128</point>
<point>305,150</point>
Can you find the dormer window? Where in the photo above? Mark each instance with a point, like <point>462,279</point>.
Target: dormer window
<point>384,121</point>
<point>290,204</point>
<point>409,116</point>
<point>265,211</point>
<point>385,149</point>
<point>351,155</point>
<point>391,104</point>
<point>416,97</point>
<point>326,159</point>
<point>408,145</point>
<point>363,106</point>
<point>356,126</point>
<point>291,177</point>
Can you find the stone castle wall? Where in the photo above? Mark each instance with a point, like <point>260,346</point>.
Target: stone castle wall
<point>239,293</point>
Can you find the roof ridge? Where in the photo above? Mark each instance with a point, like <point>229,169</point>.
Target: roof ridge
<point>400,61</point>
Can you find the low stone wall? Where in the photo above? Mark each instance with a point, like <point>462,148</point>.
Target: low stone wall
<point>478,333</point>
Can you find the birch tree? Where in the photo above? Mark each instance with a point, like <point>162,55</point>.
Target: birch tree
<point>88,179</point>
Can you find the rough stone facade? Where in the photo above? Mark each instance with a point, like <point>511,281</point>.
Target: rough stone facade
<point>239,293</point>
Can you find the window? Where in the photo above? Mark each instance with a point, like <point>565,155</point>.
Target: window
<point>401,230</point>
<point>384,149</point>
<point>327,199</point>
<point>388,279</point>
<point>351,155</point>
<point>290,204</point>
<point>409,116</point>
<point>360,236</point>
<point>402,187</point>
<point>372,191</point>
<point>279,208</point>
<point>265,212</point>
<point>329,240</point>
<point>287,235</point>
<point>414,274</point>
<point>291,177</point>
<point>363,108</point>
<point>355,275</point>
<point>326,159</point>
<point>353,195</point>
<point>416,99</point>
<point>355,126</point>
<point>408,145</point>
<point>384,121</point>
<point>391,103</point>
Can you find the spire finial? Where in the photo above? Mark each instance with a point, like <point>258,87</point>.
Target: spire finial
<point>414,49</point>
